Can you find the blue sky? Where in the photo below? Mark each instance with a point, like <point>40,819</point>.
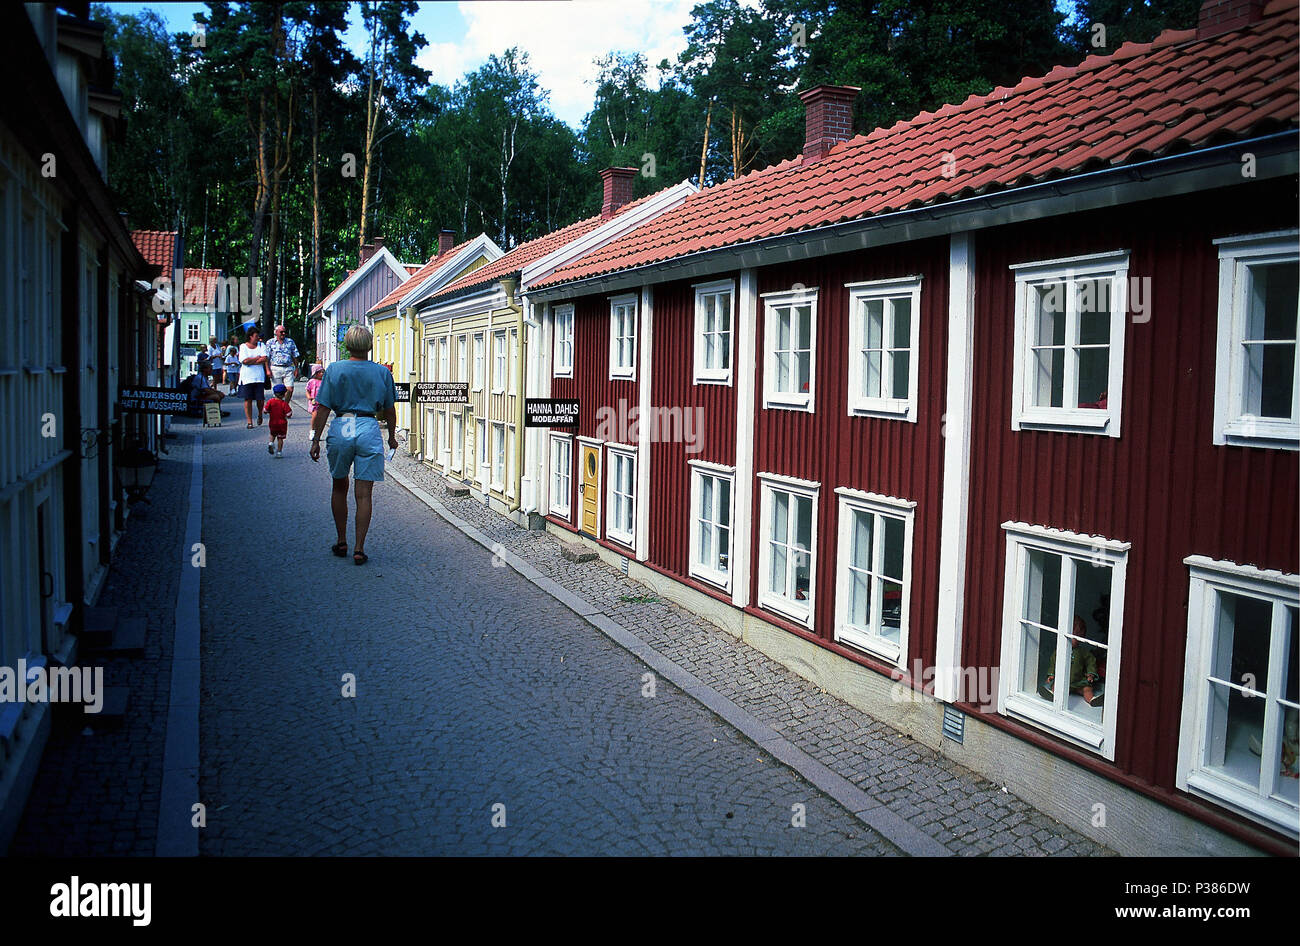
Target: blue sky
<point>561,38</point>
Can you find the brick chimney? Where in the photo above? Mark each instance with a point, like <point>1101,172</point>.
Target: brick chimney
<point>367,251</point>
<point>446,240</point>
<point>1222,16</point>
<point>617,189</point>
<point>379,242</point>
<point>828,118</point>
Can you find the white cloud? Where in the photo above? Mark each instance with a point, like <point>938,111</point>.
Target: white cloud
<point>562,40</point>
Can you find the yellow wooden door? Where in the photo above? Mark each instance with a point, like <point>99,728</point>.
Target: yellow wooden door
<point>590,489</point>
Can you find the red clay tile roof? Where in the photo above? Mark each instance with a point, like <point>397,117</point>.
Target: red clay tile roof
<point>200,288</point>
<point>157,247</point>
<point>526,253</point>
<point>418,275</point>
<point>1145,100</point>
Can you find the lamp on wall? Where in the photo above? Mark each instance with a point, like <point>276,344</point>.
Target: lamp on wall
<point>135,469</point>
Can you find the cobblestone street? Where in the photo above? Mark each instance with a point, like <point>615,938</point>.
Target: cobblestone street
<point>479,699</point>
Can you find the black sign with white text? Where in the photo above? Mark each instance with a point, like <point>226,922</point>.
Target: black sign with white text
<point>441,392</point>
<point>551,412</point>
<point>403,392</point>
<point>153,400</point>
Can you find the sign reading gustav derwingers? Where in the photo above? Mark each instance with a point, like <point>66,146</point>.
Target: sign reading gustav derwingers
<point>153,400</point>
<point>441,392</point>
<point>551,412</point>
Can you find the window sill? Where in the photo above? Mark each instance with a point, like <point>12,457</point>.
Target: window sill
<point>564,373</point>
<point>867,642</point>
<point>1273,813</point>
<point>1079,733</point>
<point>1070,422</point>
<point>884,409</point>
<point>622,538</point>
<point>719,379</point>
<point>623,374</point>
<point>720,580</point>
<point>777,402</point>
<point>1265,434</point>
<point>788,609</point>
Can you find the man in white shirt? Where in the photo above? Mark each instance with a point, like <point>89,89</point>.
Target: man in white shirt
<point>254,373</point>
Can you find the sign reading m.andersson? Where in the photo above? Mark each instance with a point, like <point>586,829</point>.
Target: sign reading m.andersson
<point>153,400</point>
<point>441,392</point>
<point>551,412</point>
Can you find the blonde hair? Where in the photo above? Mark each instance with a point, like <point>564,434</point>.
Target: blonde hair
<point>358,340</point>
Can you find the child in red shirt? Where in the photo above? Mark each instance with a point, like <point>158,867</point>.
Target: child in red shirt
<point>280,412</point>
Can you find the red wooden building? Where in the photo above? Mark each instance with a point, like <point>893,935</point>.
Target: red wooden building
<point>1002,396</point>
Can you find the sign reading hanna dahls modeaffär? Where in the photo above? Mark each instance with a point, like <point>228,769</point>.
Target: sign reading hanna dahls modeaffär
<point>153,400</point>
<point>551,412</point>
<point>440,392</point>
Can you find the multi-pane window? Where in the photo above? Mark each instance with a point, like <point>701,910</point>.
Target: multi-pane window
<point>1063,617</point>
<point>193,332</point>
<point>563,367</point>
<point>431,435</point>
<point>1069,347</point>
<point>713,332</point>
<point>457,440</point>
<point>873,588</point>
<point>1238,743</point>
<point>711,511</point>
<point>443,360</point>
<point>461,349</point>
<point>884,320</point>
<point>620,515</point>
<point>480,359</point>
<point>561,476</point>
<point>789,364</point>
<point>1257,387</point>
<point>622,337</point>
<point>484,460</point>
<point>787,549</point>
<point>514,361</point>
<point>498,456</point>
<point>499,363</point>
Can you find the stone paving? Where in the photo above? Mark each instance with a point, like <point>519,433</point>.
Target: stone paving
<point>97,791</point>
<point>474,689</point>
<point>968,814</point>
<point>477,697</point>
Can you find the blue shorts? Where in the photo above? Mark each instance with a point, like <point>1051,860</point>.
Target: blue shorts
<point>355,444</point>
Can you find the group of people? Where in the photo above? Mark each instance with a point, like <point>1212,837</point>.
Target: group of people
<point>358,391</point>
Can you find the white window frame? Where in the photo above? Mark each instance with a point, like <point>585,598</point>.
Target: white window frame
<point>561,505</point>
<point>1232,425</point>
<point>887,291</point>
<point>514,363</point>
<point>456,431</point>
<point>800,612</point>
<point>432,432</point>
<point>193,331</point>
<point>562,362</point>
<point>851,502</point>
<point>617,305</point>
<point>788,400</point>
<point>1021,539</point>
<point>704,373</point>
<point>498,429</point>
<point>444,363</point>
<point>462,358</point>
<point>1208,577</point>
<point>612,531</point>
<point>698,569</point>
<point>1029,276</point>
<point>480,360</point>
<point>500,362</point>
<point>484,458</point>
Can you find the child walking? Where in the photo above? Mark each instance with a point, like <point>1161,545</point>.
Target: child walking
<point>280,412</point>
<point>313,387</point>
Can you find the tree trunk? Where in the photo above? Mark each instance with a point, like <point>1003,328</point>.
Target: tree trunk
<point>316,280</point>
<point>704,151</point>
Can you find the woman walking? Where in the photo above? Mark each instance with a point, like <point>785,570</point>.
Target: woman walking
<point>358,391</point>
<point>254,373</point>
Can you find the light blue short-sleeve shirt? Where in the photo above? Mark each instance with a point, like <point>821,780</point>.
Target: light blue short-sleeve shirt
<point>362,387</point>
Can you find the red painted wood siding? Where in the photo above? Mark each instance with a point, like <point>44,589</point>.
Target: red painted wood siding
<point>1162,485</point>
<point>672,385</point>
<point>890,457</point>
